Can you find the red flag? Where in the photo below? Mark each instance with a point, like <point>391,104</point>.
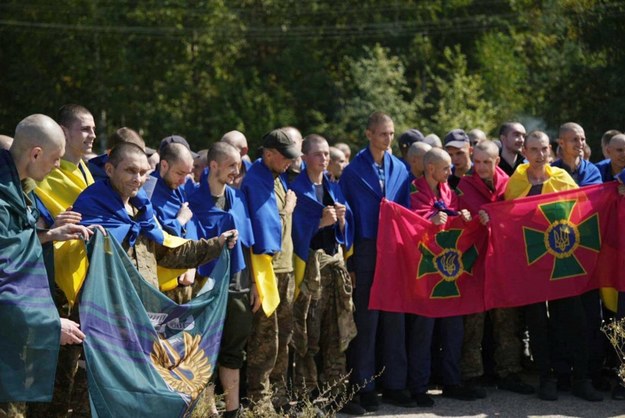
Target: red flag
<point>426,269</point>
<point>548,246</point>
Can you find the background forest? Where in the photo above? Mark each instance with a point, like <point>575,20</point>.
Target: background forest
<point>202,67</point>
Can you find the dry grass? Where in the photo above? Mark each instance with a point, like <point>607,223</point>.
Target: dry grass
<point>615,331</point>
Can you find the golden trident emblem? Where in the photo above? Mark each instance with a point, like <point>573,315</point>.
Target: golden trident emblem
<point>561,237</point>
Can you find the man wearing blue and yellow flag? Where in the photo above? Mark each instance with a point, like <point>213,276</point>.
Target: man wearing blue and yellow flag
<point>218,207</point>
<point>374,174</point>
<point>323,308</point>
<point>31,330</point>
<point>270,205</point>
<point>56,195</point>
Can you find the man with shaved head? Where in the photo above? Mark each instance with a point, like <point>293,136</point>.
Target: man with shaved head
<point>338,161</point>
<point>487,184</point>
<point>31,330</point>
<point>414,156</point>
<point>345,148</point>
<point>433,199</point>
<point>562,321</point>
<point>238,140</point>
<point>5,142</point>
<point>218,207</point>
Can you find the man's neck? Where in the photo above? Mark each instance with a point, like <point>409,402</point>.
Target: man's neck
<point>315,178</point>
<point>378,155</point>
<point>461,171</point>
<point>417,174</point>
<point>537,175</point>
<point>490,182</point>
<point>615,169</point>
<point>509,157</point>
<point>572,161</point>
<point>74,159</point>
<point>433,184</point>
<point>216,187</point>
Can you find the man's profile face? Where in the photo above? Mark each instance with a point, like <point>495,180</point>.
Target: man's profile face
<point>460,157</point>
<point>484,164</point>
<point>336,165</point>
<point>129,175</point>
<point>227,170</point>
<point>381,136</point>
<point>80,134</point>
<point>175,173</point>
<point>513,139</point>
<point>318,157</point>
<point>277,162</point>
<point>616,152</point>
<point>537,151</point>
<point>47,159</point>
<point>440,170</point>
<point>572,143</point>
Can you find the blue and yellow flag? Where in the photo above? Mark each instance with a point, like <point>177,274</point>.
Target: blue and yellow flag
<point>146,355</point>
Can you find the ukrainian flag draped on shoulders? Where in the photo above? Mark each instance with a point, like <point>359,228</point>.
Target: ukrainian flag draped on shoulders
<point>30,330</point>
<point>307,215</point>
<point>99,204</point>
<point>258,188</point>
<point>166,203</point>
<point>210,221</point>
<point>360,185</point>
<point>519,185</point>
<point>146,356</point>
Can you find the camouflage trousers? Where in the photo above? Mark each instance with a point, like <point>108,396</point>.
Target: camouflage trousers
<point>322,334</point>
<point>13,410</point>
<point>507,343</point>
<point>267,348</point>
<point>70,388</point>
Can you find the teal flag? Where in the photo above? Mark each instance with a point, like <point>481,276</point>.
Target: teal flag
<point>29,323</point>
<point>146,355</point>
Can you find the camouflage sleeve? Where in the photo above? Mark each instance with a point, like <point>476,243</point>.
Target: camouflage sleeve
<point>189,255</point>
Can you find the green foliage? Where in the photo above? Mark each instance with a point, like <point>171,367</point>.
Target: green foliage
<point>461,102</point>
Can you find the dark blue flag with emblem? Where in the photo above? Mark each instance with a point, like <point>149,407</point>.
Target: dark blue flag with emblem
<point>146,355</point>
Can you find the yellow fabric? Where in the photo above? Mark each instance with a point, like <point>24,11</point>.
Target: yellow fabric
<point>519,185</point>
<point>57,192</point>
<point>168,278</point>
<point>609,296</point>
<point>61,187</point>
<point>300,269</point>
<point>266,282</point>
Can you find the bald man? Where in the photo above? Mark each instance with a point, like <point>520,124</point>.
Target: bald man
<point>338,161</point>
<point>238,140</point>
<point>414,156</point>
<point>30,332</point>
<point>5,142</point>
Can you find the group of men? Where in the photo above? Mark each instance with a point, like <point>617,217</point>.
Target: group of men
<point>301,222</point>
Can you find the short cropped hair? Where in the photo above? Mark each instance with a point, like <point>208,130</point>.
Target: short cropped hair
<point>123,150</point>
<point>69,113</point>
<point>310,140</point>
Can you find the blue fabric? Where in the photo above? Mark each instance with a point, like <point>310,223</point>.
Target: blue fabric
<point>30,328</point>
<point>166,203</point>
<point>262,206</point>
<point>361,188</point>
<point>209,221</point>
<point>99,204</point>
<point>308,212</point>
<point>587,173</point>
<point>96,167</point>
<point>146,356</point>
<point>605,169</point>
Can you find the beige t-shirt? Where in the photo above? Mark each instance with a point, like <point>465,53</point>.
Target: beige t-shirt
<point>283,260</point>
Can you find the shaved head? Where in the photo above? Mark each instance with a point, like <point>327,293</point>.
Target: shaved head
<point>37,131</point>
<point>237,140</point>
<point>219,151</point>
<point>435,155</point>
<point>38,146</point>
<point>568,127</point>
<point>418,149</point>
<point>175,152</point>
<point>488,147</point>
<point>5,142</point>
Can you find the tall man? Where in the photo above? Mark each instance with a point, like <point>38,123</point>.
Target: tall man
<point>271,206</point>
<point>31,330</point>
<point>218,207</point>
<point>511,135</point>
<point>562,320</point>
<point>374,174</point>
<point>323,309</point>
<point>487,184</point>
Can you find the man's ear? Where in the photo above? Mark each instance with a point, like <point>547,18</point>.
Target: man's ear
<point>35,153</point>
<point>108,167</point>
